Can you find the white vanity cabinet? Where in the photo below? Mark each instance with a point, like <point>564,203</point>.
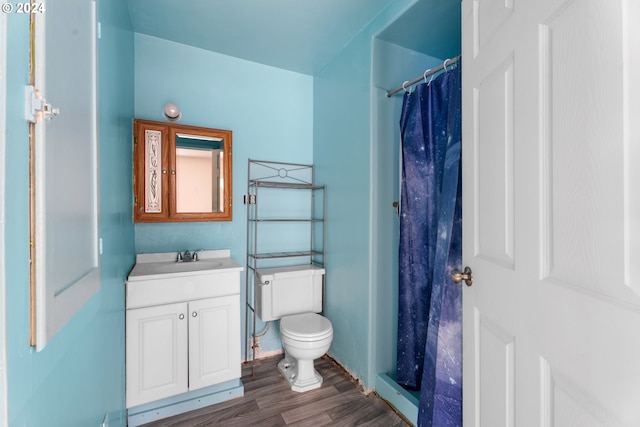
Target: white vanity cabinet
<point>182,328</point>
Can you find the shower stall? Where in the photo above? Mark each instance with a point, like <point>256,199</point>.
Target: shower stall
<point>395,62</point>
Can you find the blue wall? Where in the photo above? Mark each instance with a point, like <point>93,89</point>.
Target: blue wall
<point>269,110</point>
<point>79,376</point>
<point>356,141</point>
<point>343,155</point>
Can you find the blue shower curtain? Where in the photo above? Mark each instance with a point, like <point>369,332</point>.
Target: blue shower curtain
<point>429,355</point>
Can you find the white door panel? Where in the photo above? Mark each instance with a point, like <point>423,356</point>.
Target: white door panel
<point>551,213</point>
<point>494,165</point>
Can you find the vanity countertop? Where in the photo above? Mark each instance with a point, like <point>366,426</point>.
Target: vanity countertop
<point>164,265</point>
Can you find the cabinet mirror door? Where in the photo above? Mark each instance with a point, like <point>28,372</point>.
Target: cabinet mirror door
<point>181,173</point>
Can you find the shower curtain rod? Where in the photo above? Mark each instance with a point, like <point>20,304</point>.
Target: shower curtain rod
<point>427,73</point>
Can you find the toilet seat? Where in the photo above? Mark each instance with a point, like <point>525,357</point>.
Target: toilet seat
<point>307,327</point>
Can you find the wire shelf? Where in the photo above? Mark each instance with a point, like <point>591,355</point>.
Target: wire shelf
<point>267,204</point>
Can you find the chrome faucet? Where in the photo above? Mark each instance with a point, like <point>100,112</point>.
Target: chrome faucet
<point>184,257</point>
<point>188,256</point>
<point>194,254</point>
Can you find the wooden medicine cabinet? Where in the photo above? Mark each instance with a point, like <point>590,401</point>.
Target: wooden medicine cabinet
<point>181,173</point>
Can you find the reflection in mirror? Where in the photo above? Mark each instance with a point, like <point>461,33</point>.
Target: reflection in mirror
<point>199,173</point>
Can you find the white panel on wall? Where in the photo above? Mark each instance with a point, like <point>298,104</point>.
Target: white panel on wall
<point>493,140</point>
<point>67,261</point>
<point>575,99</point>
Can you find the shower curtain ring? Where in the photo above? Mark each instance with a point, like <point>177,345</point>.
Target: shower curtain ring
<point>425,75</point>
<point>404,86</point>
<point>444,66</point>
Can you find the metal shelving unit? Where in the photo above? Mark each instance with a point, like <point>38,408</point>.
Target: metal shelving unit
<point>282,200</point>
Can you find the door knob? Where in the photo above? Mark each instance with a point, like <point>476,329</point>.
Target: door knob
<point>458,276</point>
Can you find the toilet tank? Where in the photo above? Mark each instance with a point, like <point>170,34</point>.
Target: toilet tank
<point>282,291</point>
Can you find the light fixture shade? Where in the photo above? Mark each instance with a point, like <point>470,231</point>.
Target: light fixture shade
<point>172,112</point>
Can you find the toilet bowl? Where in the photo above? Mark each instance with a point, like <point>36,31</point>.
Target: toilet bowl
<point>305,337</point>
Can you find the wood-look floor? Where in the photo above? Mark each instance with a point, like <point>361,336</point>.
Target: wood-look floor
<point>269,401</point>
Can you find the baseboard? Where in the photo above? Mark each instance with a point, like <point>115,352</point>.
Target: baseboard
<point>185,402</point>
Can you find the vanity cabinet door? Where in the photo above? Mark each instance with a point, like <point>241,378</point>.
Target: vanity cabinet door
<point>157,352</point>
<point>214,341</point>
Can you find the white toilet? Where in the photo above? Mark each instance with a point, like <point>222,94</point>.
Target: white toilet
<point>294,295</point>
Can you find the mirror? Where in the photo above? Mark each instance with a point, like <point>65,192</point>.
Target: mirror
<point>181,173</point>
<point>199,169</point>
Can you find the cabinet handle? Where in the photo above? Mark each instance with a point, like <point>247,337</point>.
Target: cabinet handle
<point>181,316</point>
<point>194,314</point>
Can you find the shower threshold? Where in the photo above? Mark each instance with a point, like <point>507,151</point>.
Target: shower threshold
<point>404,401</point>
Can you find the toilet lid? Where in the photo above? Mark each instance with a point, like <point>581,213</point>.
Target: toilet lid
<point>306,327</point>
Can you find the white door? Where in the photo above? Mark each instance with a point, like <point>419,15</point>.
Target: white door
<point>214,341</point>
<point>157,352</point>
<point>551,148</point>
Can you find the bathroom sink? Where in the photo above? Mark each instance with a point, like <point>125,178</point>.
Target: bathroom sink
<point>179,267</point>
<point>157,278</point>
<point>156,266</point>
